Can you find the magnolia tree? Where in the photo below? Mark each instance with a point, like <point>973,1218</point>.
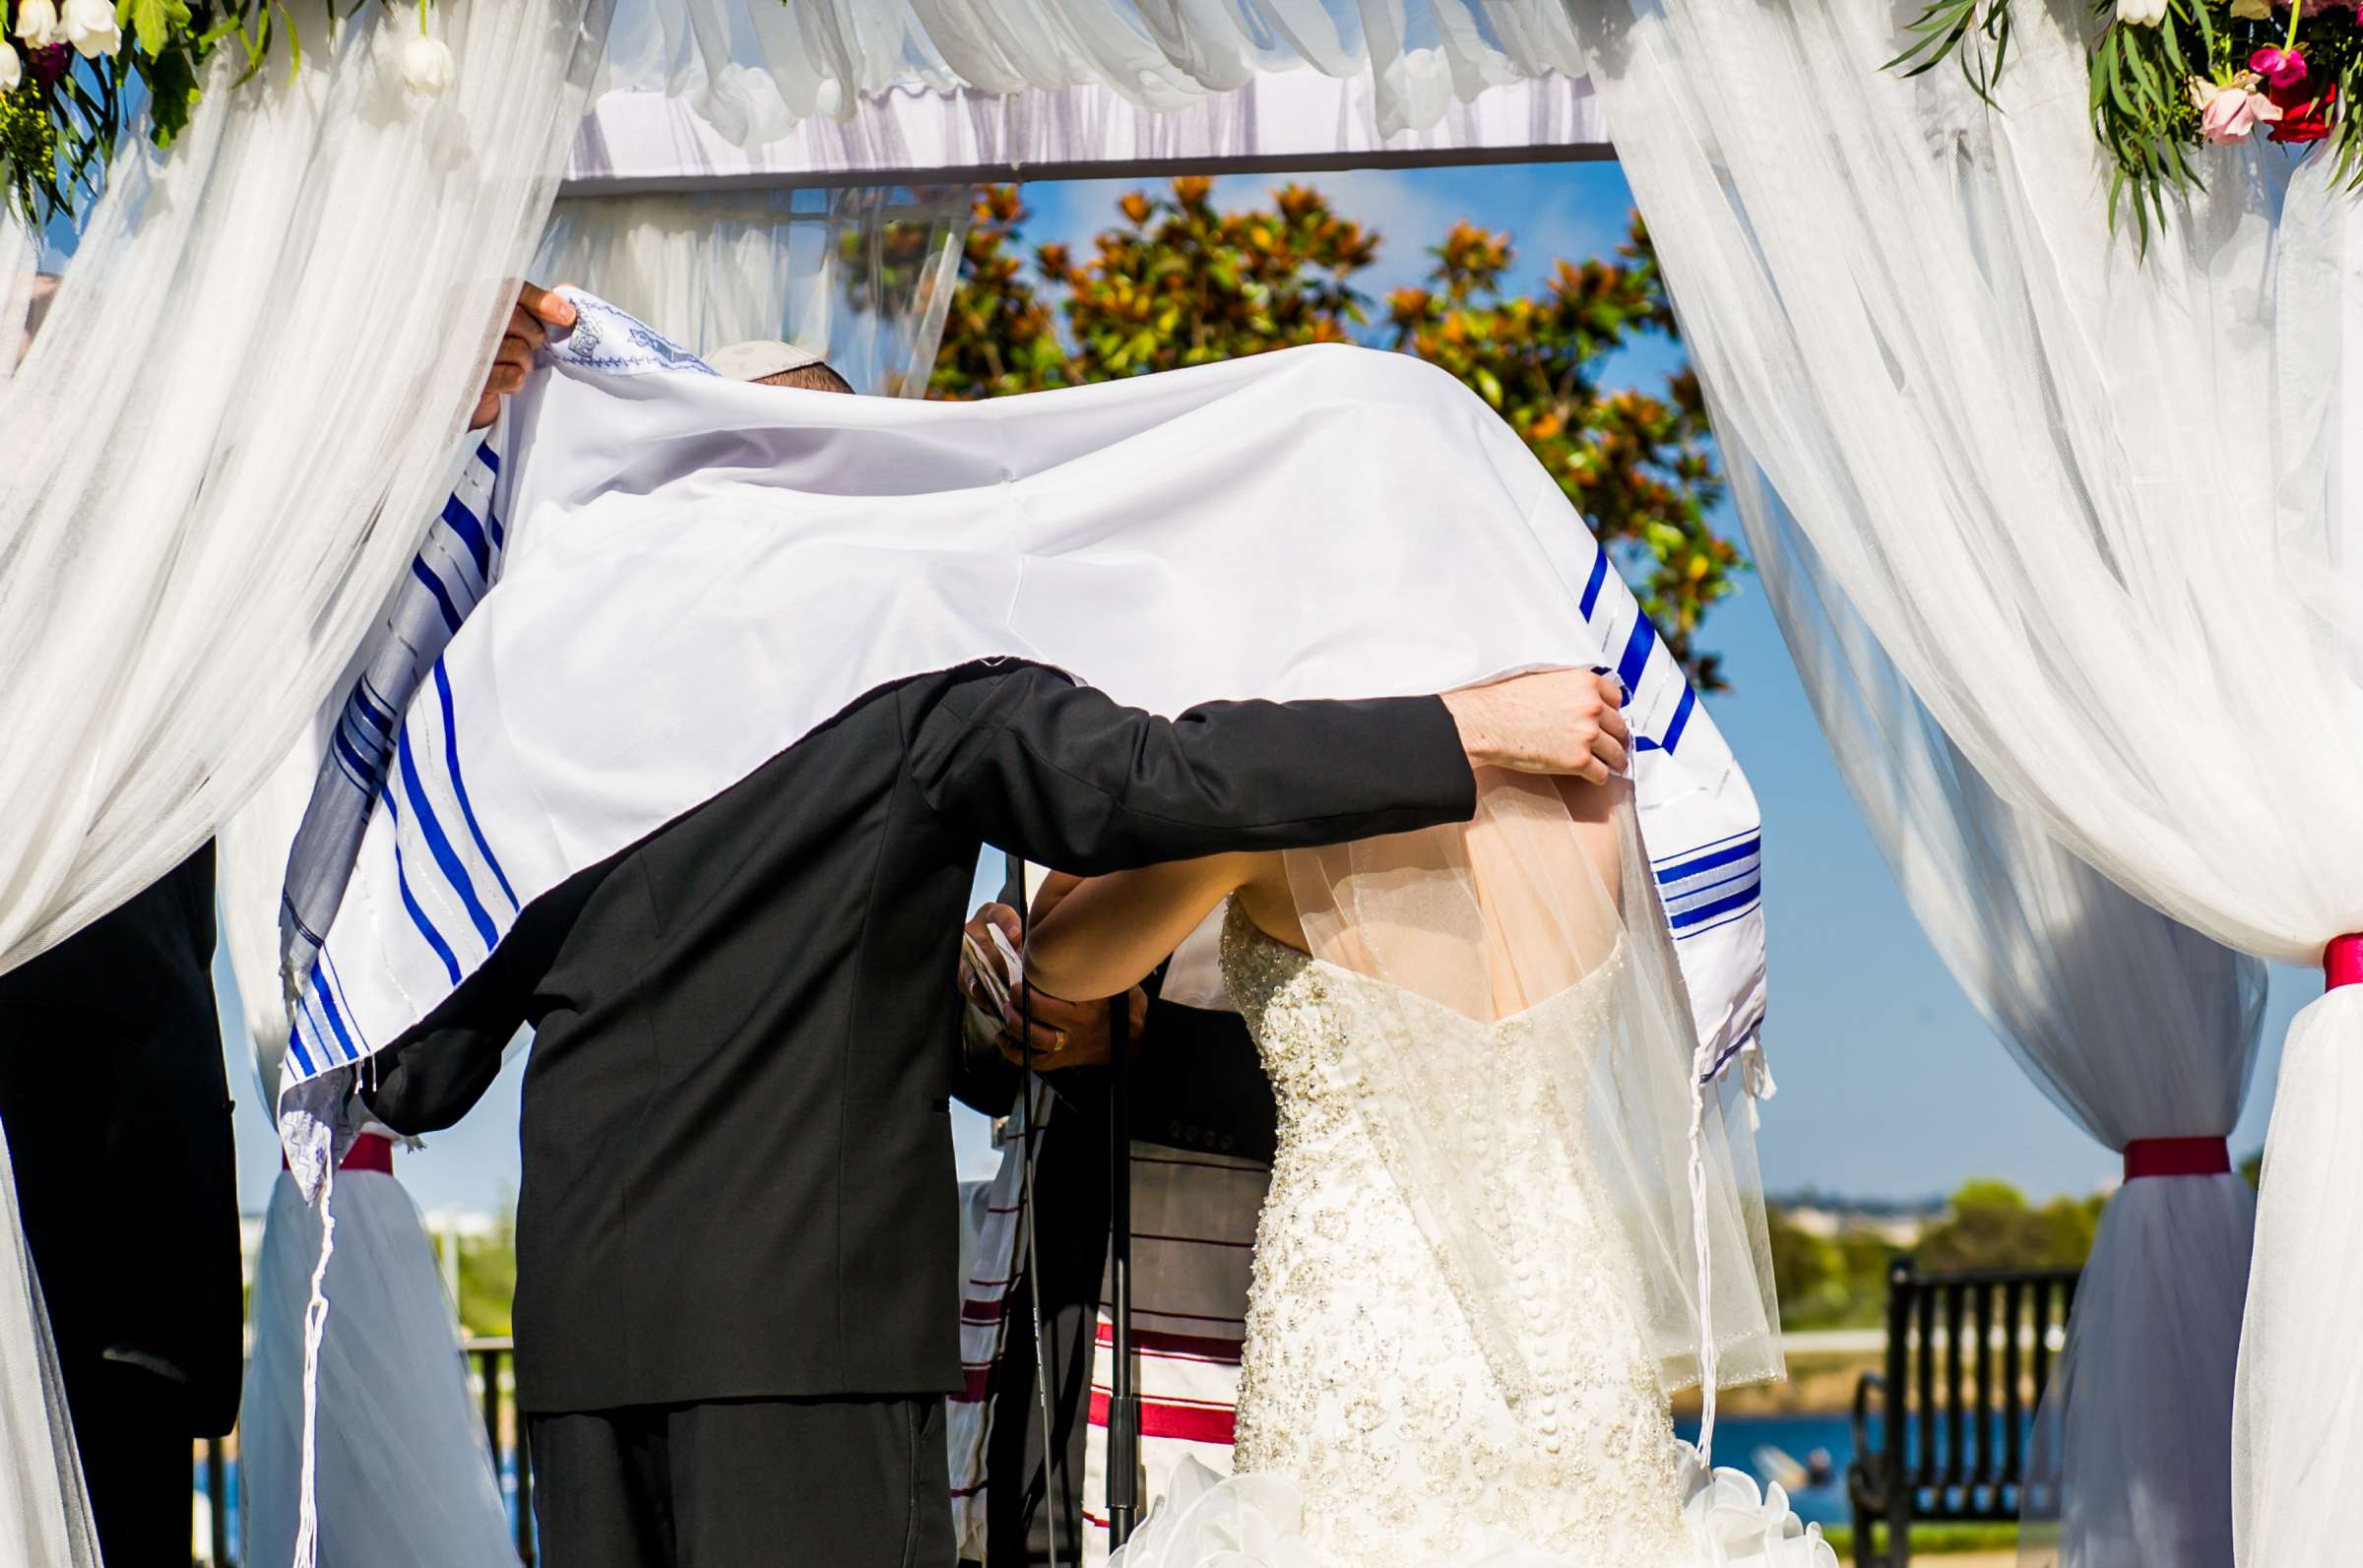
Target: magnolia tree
<point>1177,283</point>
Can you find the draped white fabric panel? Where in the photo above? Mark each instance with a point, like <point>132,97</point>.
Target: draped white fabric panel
<point>404,1473</point>
<point>861,274</point>
<point>754,68</point>
<point>2078,495</point>
<point>204,502</point>
<point>2135,1025</point>
<point>917,132</point>
<point>45,1514</point>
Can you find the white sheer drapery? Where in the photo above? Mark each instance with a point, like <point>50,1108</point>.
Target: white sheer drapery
<point>754,68</point>
<point>861,274</point>
<point>2078,495</point>
<point>403,1473</point>
<point>45,1514</point>
<point>242,403</point>
<point>221,446</point>
<point>2138,1027</point>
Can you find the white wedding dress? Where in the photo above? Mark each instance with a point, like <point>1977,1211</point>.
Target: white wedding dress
<point>1372,1428</point>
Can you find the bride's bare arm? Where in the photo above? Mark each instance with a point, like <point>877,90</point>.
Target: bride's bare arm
<point>1104,934</point>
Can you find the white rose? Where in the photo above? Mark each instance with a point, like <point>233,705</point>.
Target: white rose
<point>2141,13</point>
<point>37,23</point>
<point>90,26</point>
<point>427,64</point>
<point>12,68</point>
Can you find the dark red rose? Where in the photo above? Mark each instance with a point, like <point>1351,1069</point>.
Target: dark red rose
<point>2308,119</point>
<point>48,64</point>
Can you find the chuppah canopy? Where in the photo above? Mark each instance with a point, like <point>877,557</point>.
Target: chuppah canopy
<point>189,727</point>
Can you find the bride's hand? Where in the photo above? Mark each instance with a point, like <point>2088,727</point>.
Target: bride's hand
<point>1559,721</point>
<point>1077,1033</point>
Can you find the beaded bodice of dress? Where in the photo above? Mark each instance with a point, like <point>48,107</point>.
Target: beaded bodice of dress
<point>1363,1382</point>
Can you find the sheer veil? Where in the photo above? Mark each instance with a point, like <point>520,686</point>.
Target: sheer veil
<point>1533,1024</point>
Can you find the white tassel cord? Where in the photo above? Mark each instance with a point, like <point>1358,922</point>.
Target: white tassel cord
<point>315,1325</point>
<point>1699,1245</point>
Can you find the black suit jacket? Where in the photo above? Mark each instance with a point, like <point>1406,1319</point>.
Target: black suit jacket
<point>737,1162</point>
<point>119,1120</point>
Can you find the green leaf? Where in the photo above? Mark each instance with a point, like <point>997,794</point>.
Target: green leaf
<point>152,21</point>
<point>1489,386</point>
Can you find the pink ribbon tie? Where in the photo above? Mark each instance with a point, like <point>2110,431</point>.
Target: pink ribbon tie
<point>2342,961</point>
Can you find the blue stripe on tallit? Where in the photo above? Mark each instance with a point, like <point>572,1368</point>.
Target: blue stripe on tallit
<point>332,983</point>
<point>487,457</point>
<point>1717,924</point>
<point>363,736</point>
<point>461,521</point>
<point>372,708</point>
<point>1682,716</point>
<point>1636,653</point>
<point>459,785</point>
<point>345,764</point>
<point>1692,917</point>
<point>336,1017</point>
<point>1711,844</point>
<point>1591,587</point>
<point>1743,845</point>
<point>438,843</point>
<point>434,585</point>
<point>1688,897</point>
<point>409,900</point>
<point>359,766</point>
<point>304,1058</point>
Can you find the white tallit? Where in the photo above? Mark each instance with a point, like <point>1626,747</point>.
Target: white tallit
<point>691,574</point>
<point>673,578</point>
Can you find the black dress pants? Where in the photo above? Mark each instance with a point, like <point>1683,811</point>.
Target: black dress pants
<point>780,1484</point>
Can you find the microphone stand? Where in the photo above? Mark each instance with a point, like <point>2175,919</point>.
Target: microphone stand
<point>1028,1148</point>
<point>1124,1402</point>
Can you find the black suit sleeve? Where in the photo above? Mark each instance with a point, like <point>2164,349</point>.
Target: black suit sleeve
<point>1023,758</point>
<point>434,1075</point>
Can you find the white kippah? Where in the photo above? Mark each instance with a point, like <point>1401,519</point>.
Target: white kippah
<point>752,361</point>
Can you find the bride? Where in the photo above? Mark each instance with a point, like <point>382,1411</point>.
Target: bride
<point>1500,1229</point>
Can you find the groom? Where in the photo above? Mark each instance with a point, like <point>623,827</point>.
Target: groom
<point>735,1245</point>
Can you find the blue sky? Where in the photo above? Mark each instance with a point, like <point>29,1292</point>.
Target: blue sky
<point>1890,1085</point>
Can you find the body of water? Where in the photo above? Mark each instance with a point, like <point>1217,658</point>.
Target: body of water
<point>1772,1447</point>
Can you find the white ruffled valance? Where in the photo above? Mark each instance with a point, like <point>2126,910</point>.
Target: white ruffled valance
<point>914,131</point>
<point>755,68</point>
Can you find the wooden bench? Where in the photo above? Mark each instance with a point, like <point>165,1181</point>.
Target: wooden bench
<point>1969,1354</point>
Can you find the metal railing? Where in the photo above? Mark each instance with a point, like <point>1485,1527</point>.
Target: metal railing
<point>492,1372</point>
<point>1967,1358</point>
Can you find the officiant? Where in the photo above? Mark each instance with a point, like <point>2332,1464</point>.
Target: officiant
<point>1204,1137</point>
<point>729,1336</point>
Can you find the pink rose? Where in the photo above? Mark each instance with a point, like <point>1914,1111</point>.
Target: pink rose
<point>2230,111</point>
<point>2280,67</point>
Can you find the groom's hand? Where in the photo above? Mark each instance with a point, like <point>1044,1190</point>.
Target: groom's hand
<point>535,311</point>
<point>1559,721</point>
<point>1055,1033</point>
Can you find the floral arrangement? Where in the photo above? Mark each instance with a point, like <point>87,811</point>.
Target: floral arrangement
<point>72,71</point>
<point>2171,77</point>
